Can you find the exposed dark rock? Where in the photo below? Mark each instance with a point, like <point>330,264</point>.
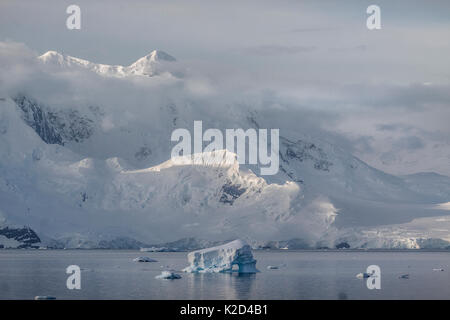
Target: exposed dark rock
<point>304,151</point>
<point>342,245</point>
<point>54,127</point>
<point>25,235</point>
<point>231,192</point>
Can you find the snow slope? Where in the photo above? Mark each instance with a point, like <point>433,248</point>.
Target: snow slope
<point>53,190</point>
<point>88,165</point>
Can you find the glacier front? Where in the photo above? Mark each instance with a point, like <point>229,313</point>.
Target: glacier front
<point>223,258</point>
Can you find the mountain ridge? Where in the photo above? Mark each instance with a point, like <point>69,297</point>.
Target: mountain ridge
<point>149,65</point>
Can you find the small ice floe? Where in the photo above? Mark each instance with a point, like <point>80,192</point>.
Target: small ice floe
<point>363,275</point>
<point>272,267</point>
<point>144,259</point>
<point>404,276</point>
<point>44,298</point>
<point>438,269</point>
<point>168,275</point>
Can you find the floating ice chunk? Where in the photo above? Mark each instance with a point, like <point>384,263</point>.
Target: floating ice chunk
<point>44,298</point>
<point>144,259</point>
<point>223,258</point>
<point>363,275</point>
<point>168,275</point>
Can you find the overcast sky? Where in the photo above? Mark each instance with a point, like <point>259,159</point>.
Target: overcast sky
<point>388,90</point>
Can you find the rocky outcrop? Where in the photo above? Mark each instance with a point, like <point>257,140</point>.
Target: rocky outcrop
<point>19,238</point>
<point>55,127</point>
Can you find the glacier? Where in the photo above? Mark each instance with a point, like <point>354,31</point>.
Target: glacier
<point>223,258</point>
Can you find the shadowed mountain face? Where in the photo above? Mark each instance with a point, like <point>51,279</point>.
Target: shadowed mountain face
<point>55,126</point>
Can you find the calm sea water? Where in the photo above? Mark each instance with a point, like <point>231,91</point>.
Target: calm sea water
<point>111,274</point>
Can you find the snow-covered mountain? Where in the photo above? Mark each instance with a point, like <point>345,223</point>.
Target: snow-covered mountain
<point>155,63</point>
<point>87,164</point>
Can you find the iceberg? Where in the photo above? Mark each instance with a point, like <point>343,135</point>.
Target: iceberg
<point>223,258</point>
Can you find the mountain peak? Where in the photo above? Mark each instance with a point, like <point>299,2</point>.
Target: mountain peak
<point>158,55</point>
<point>51,55</point>
<point>151,63</point>
<point>54,57</point>
<point>155,56</point>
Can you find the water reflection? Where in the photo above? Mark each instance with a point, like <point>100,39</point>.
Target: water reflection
<point>226,285</point>
<point>342,296</point>
<point>306,275</point>
<point>242,284</point>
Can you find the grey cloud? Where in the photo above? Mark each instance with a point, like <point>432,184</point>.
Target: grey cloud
<point>312,29</point>
<point>363,144</point>
<point>331,66</point>
<point>361,48</point>
<point>266,50</point>
<point>393,127</point>
<point>409,143</point>
<point>414,97</point>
